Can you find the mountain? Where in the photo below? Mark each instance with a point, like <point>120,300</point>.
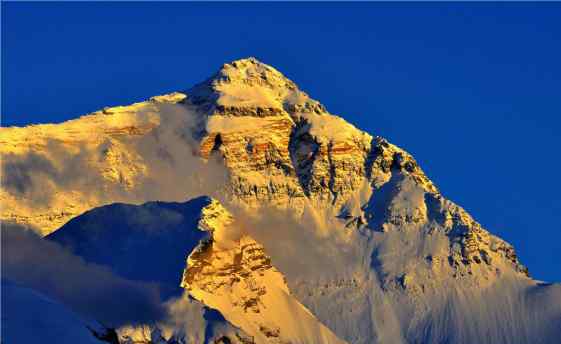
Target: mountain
<point>350,238</point>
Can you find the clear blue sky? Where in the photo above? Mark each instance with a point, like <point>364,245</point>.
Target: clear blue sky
<point>473,90</point>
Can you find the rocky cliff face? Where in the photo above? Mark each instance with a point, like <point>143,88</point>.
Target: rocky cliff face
<point>249,137</point>
<point>279,145</point>
<point>232,273</point>
<point>284,148</point>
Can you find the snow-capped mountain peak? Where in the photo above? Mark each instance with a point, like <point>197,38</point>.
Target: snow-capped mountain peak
<point>248,87</point>
<point>314,231</point>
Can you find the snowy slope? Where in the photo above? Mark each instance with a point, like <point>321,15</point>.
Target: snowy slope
<point>188,321</point>
<point>144,243</point>
<point>28,317</point>
<point>135,153</point>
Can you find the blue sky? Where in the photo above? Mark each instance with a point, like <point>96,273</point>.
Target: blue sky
<point>472,90</point>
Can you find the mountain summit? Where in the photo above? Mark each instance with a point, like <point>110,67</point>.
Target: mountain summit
<point>357,236</point>
<point>249,84</point>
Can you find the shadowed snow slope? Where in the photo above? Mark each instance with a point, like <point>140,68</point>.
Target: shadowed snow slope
<point>28,317</point>
<point>146,243</point>
<point>363,238</point>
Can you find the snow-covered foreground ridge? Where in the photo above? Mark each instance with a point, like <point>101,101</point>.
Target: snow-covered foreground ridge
<point>225,269</point>
<point>350,238</point>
